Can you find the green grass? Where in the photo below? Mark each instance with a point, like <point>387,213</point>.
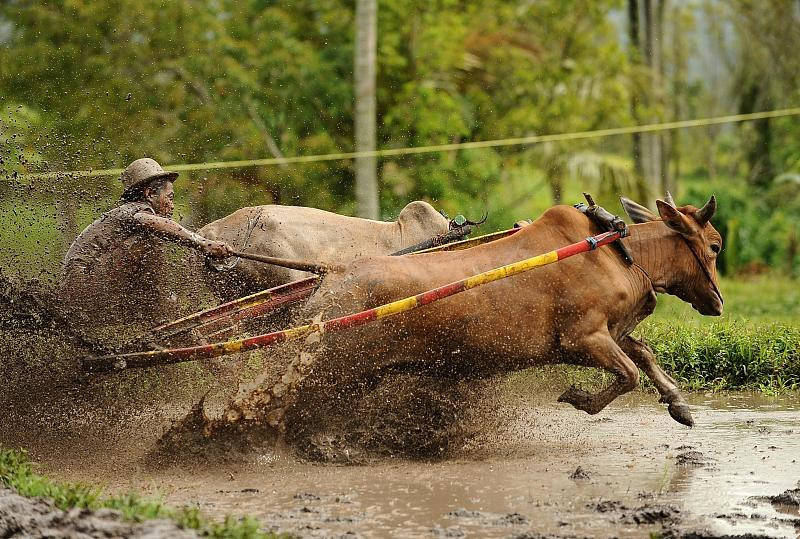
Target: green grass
<point>17,473</point>
<point>763,299</point>
<point>753,345</point>
<point>728,355</point>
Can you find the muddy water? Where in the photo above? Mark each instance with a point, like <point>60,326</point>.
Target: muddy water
<point>639,472</point>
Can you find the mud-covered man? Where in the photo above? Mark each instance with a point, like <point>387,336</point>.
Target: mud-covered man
<point>113,274</point>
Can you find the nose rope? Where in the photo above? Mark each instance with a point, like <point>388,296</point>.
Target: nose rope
<point>705,270</point>
<point>699,262</point>
<point>646,274</point>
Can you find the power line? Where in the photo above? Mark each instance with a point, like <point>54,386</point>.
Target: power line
<point>395,152</point>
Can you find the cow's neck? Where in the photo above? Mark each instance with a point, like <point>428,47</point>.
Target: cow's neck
<point>655,251</point>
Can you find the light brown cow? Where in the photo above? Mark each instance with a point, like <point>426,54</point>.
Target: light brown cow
<point>579,311</point>
<point>310,234</point>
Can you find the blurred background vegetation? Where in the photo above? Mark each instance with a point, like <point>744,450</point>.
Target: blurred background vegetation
<point>89,85</point>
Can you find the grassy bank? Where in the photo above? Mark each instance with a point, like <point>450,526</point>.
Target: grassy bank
<point>728,355</point>
<point>17,473</point>
<point>753,345</point>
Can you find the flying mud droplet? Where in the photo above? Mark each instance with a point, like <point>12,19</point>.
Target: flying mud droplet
<point>580,474</point>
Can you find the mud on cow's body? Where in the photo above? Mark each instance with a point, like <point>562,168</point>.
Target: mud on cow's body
<point>579,311</point>
<point>311,234</point>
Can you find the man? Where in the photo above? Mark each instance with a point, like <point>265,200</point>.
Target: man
<point>113,274</point>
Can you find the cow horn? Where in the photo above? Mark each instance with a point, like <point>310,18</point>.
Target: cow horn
<point>637,212</point>
<point>669,200</point>
<point>705,213</point>
<point>476,223</point>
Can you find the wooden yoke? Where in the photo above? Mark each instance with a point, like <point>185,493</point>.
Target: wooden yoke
<point>607,222</point>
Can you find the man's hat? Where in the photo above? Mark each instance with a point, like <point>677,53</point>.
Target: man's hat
<point>143,171</point>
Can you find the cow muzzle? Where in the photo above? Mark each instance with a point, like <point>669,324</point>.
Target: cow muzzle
<point>713,307</point>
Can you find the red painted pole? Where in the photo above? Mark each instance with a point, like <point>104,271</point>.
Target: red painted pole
<point>178,355</point>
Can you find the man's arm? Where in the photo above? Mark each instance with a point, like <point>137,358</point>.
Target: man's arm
<point>171,230</point>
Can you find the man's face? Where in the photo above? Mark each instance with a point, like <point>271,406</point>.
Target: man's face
<point>163,200</point>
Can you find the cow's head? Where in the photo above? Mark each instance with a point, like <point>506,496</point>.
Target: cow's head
<point>696,263</point>
<point>421,220</point>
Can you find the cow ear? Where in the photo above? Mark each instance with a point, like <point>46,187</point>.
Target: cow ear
<point>673,218</point>
<point>637,212</point>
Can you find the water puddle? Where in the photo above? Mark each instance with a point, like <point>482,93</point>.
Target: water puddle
<point>639,472</point>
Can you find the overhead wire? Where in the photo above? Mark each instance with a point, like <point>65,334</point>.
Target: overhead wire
<point>415,150</point>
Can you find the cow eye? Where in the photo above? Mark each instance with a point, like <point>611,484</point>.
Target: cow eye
<point>715,248</point>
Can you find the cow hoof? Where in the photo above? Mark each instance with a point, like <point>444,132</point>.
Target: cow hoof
<point>680,413</point>
<point>576,397</point>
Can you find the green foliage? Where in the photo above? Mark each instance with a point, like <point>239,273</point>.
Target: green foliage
<point>728,355</point>
<point>184,82</point>
<point>95,85</point>
<point>759,227</point>
<point>753,346</point>
<point>487,70</point>
<point>216,81</point>
<point>17,473</point>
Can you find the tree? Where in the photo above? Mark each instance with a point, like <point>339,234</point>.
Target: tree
<point>646,30</point>
<point>229,80</point>
<point>365,51</point>
<point>191,81</point>
<point>484,70</point>
<point>766,73</point>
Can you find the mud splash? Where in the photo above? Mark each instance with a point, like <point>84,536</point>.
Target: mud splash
<point>504,468</point>
<point>46,400</point>
<point>33,332</point>
<point>408,415</point>
<point>401,415</point>
<point>27,305</point>
<point>515,481</point>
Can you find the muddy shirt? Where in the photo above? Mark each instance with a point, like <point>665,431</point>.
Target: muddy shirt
<point>113,271</point>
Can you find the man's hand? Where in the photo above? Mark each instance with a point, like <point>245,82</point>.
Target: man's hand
<point>216,249</point>
<point>169,229</point>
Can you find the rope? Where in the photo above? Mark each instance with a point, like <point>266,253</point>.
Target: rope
<point>414,150</point>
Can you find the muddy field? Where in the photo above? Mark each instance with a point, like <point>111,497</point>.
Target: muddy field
<point>547,469</point>
<point>516,464</point>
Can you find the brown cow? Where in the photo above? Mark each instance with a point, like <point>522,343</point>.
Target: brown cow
<point>309,234</point>
<point>579,311</point>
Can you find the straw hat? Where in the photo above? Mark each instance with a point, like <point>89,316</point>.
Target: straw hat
<point>141,172</point>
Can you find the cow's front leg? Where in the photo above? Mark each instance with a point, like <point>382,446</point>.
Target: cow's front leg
<point>642,355</point>
<point>599,350</point>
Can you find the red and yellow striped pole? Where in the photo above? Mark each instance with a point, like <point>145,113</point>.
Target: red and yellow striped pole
<point>266,301</point>
<point>178,355</point>
<point>247,307</point>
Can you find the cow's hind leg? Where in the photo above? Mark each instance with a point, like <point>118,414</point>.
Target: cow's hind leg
<point>642,355</point>
<point>600,350</point>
